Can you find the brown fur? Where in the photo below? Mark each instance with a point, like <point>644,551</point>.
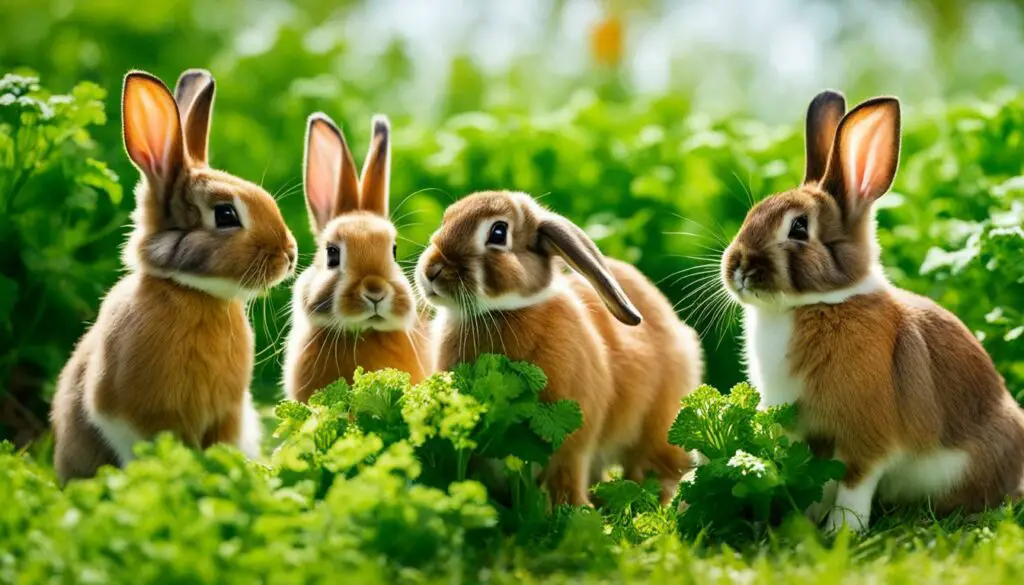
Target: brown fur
<point>337,326</point>
<point>163,356</point>
<point>331,355</point>
<point>923,381</point>
<point>628,380</point>
<point>885,373</point>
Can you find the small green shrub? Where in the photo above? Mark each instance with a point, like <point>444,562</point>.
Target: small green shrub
<point>59,229</point>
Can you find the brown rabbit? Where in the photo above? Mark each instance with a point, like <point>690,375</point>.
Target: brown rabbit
<point>887,381</point>
<point>171,349</point>
<point>493,271</point>
<point>353,307</point>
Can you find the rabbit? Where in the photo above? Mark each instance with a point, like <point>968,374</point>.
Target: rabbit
<point>353,307</point>
<point>496,271</point>
<point>171,348</point>
<point>886,381</point>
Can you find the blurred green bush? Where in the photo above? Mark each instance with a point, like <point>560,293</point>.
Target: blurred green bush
<point>652,181</point>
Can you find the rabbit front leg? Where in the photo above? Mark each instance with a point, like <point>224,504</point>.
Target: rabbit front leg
<point>853,498</point>
<point>251,433</point>
<point>567,477</point>
<point>569,471</point>
<point>240,427</point>
<point>816,512</point>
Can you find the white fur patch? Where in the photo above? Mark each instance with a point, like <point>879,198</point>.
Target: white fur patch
<point>222,288</point>
<point>251,430</point>
<point>119,435</point>
<point>514,301</point>
<point>853,504</point>
<point>816,511</point>
<point>874,282</point>
<point>242,209</point>
<point>767,335</point>
<point>912,477</point>
<point>901,477</point>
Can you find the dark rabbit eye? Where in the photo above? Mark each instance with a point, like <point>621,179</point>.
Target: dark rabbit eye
<point>798,229</point>
<point>498,235</point>
<point>333,256</point>
<point>225,216</point>
<point>394,251</point>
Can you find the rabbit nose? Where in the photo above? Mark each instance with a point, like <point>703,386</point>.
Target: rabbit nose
<point>434,270</point>
<point>374,291</point>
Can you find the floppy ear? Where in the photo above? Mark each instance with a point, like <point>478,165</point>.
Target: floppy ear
<point>823,117</point>
<point>865,155</point>
<point>152,130</point>
<point>330,178</point>
<point>570,242</point>
<point>194,93</point>
<point>374,183</point>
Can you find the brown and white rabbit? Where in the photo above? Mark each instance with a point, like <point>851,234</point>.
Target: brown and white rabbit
<point>172,349</point>
<point>353,307</point>
<point>887,381</point>
<point>495,271</point>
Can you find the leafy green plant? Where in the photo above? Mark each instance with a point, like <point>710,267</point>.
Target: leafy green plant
<point>176,515</point>
<point>753,473</point>
<point>462,425</point>
<point>351,492</point>
<point>58,226</point>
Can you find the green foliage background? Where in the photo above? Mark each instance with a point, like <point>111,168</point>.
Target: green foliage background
<point>654,180</point>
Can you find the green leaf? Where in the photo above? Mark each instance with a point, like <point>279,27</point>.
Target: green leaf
<point>555,421</point>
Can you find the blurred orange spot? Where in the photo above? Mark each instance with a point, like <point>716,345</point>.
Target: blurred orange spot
<point>606,41</point>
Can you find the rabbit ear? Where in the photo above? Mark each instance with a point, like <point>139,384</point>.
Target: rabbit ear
<point>572,244</point>
<point>374,183</point>
<point>331,185</point>
<point>194,93</point>
<point>823,117</point>
<point>865,155</point>
<point>152,130</point>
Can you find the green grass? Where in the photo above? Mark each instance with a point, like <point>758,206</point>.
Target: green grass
<point>362,484</point>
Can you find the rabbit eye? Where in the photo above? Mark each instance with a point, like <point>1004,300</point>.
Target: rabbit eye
<point>498,235</point>
<point>394,251</point>
<point>333,256</point>
<point>798,229</point>
<point>225,216</point>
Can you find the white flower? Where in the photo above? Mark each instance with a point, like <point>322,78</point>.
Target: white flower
<point>747,463</point>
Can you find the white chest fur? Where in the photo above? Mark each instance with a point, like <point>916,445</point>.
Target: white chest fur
<point>768,333</point>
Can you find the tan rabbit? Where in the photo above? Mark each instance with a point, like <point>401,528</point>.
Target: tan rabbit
<point>353,307</point>
<point>887,381</point>
<point>494,270</point>
<point>171,349</point>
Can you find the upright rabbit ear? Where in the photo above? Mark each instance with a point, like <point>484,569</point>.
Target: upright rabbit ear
<point>823,117</point>
<point>331,184</point>
<point>570,242</point>
<point>865,155</point>
<point>194,94</point>
<point>152,131</point>
<point>374,183</point>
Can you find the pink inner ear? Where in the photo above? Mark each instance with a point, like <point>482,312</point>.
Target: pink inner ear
<point>323,170</point>
<point>869,155</point>
<point>151,127</point>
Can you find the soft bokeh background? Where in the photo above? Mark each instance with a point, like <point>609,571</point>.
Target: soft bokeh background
<point>651,123</point>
